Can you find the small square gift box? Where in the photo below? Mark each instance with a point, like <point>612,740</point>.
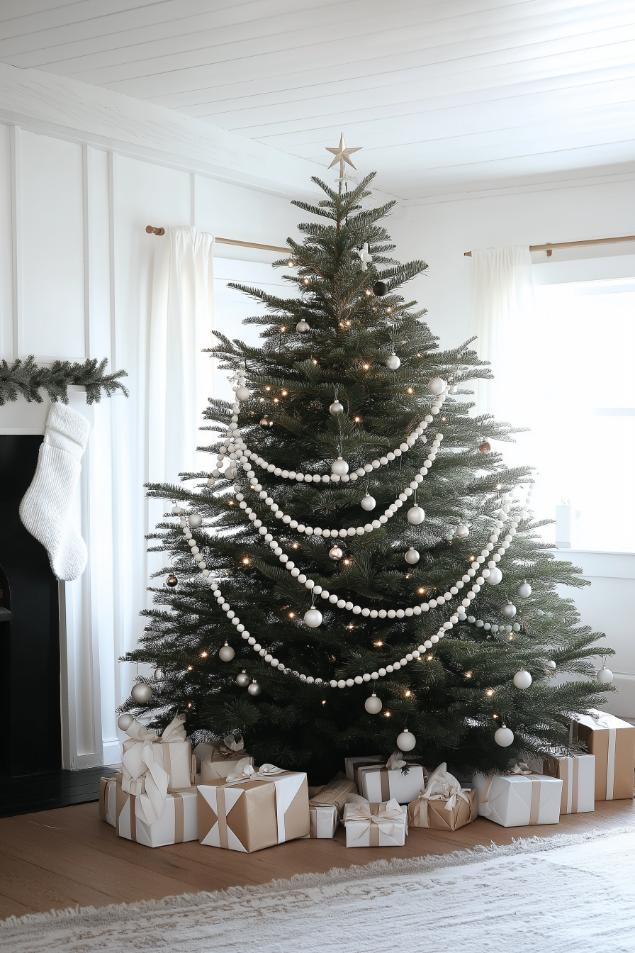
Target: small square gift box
<point>396,779</point>
<point>352,765</point>
<point>171,752</point>
<point>612,741</point>
<point>255,809</point>
<point>325,807</point>
<point>577,772</point>
<point>519,798</point>
<point>375,825</point>
<point>174,823</point>
<point>443,804</point>
<point>216,761</point>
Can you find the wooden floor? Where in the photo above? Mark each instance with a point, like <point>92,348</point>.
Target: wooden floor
<point>68,857</point>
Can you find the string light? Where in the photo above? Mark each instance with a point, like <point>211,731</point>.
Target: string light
<point>305,281</point>
<point>268,387</point>
<point>189,668</point>
<point>290,263</point>
<point>429,657</point>
<point>189,704</point>
<point>291,614</point>
<point>284,392</point>
<point>387,714</point>
<point>315,361</point>
<point>203,654</point>
<point>324,701</point>
<point>357,420</point>
<point>378,643</point>
<point>468,674</point>
<point>365,367</point>
<point>410,390</point>
<point>367,292</point>
<point>231,503</point>
<point>350,627</point>
<point>246,561</point>
<point>276,400</point>
<point>346,561</point>
<point>295,545</point>
<point>407,693</point>
<point>283,328</point>
<point>421,591</point>
<point>495,716</point>
<point>489,692</point>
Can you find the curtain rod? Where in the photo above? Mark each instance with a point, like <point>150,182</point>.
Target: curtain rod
<point>548,247</point>
<point>157,230</point>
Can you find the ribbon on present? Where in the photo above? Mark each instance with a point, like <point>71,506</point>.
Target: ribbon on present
<point>386,817</point>
<point>143,774</point>
<point>246,772</point>
<point>441,786</point>
<point>521,767</point>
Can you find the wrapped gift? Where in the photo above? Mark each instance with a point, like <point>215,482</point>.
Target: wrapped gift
<point>352,764</point>
<point>577,772</point>
<point>516,800</point>
<point>375,825</point>
<point>254,810</point>
<point>176,823</point>
<point>396,779</point>
<point>154,764</point>
<point>443,804</point>
<point>326,806</point>
<point>108,798</point>
<point>216,761</point>
<point>612,741</point>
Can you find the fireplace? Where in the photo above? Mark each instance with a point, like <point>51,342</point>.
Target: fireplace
<point>29,627</point>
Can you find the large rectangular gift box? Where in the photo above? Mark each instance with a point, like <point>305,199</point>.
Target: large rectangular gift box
<point>516,800</point>
<point>176,823</point>
<point>577,772</point>
<point>171,751</point>
<point>612,741</point>
<point>351,765</point>
<point>444,814</point>
<point>325,807</point>
<point>375,825</point>
<point>260,811</point>
<point>380,782</point>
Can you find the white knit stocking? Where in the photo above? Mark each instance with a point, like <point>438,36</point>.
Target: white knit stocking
<point>46,506</point>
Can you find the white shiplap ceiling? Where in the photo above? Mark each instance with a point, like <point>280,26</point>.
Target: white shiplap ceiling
<point>444,96</point>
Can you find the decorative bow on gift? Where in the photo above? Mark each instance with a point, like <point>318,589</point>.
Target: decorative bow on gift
<point>388,816</point>
<point>143,774</point>
<point>443,786</point>
<point>397,763</point>
<point>245,771</point>
<point>521,767</point>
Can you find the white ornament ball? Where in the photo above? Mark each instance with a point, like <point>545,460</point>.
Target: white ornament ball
<point>509,610</point>
<point>313,618</point>
<point>368,503</point>
<point>339,466</point>
<point>243,393</point>
<point>437,385</point>
<point>504,736</point>
<point>415,515</point>
<point>522,679</point>
<point>550,665</point>
<point>195,520</point>
<point>302,326</point>
<point>373,704</point>
<point>462,531</point>
<point>337,407</point>
<point>336,552</point>
<point>141,693</point>
<point>412,556</point>
<point>226,653</point>
<point>242,679</point>
<point>253,688</point>
<point>524,590</point>
<point>124,721</point>
<point>392,362</point>
<point>495,576</point>
<point>605,676</point>
<point>406,740</point>
<point>231,472</point>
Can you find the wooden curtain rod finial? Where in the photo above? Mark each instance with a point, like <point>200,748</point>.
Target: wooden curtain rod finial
<point>155,230</point>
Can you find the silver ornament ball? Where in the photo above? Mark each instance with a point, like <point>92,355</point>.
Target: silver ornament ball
<point>336,552</point>
<point>226,653</point>
<point>509,610</point>
<point>436,386</point>
<point>412,556</point>
<point>605,676</point>
<point>368,503</point>
<point>524,589</point>
<point>406,740</point>
<point>253,688</point>
<point>195,520</point>
<point>242,679</point>
<point>415,515</point>
<point>522,679</point>
<point>550,665</point>
<point>462,531</point>
<point>339,466</point>
<point>373,704</point>
<point>243,393</point>
<point>392,362</point>
<point>141,693</point>
<point>504,736</point>
<point>124,721</point>
<point>337,407</point>
<point>302,326</point>
<point>495,576</point>
<point>313,618</point>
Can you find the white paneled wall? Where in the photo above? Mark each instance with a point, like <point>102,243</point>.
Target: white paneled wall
<point>75,277</point>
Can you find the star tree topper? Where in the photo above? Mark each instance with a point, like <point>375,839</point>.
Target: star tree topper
<point>342,155</point>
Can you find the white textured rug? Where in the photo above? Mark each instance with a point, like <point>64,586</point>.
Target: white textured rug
<point>566,894</point>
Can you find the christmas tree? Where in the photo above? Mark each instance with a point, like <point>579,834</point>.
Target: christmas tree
<point>359,569</point>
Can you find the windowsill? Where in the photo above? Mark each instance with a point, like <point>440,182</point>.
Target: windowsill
<point>595,552</point>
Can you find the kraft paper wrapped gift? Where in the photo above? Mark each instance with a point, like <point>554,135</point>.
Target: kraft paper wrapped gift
<point>375,825</point>
<point>108,799</point>
<point>263,808</point>
<point>325,807</point>
<point>396,779</point>
<point>443,804</point>
<point>144,750</point>
<point>352,764</point>
<point>216,761</point>
<point>577,772</point>
<point>612,741</point>
<point>176,823</point>
<point>516,800</point>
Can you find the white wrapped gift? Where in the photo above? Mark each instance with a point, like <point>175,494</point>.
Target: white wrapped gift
<point>518,800</point>
<point>154,764</point>
<point>396,779</point>
<point>375,825</point>
<point>326,806</point>
<point>577,772</point>
<point>176,823</point>
<point>351,764</point>
<point>218,760</point>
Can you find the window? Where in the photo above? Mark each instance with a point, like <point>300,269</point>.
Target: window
<point>578,359</point>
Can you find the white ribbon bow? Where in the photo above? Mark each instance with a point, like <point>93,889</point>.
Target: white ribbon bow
<point>443,786</point>
<point>364,256</point>
<point>143,775</point>
<point>245,771</point>
<point>396,762</point>
<point>521,767</point>
<point>389,815</point>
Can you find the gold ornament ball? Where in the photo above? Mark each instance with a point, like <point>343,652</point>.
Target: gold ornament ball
<point>171,581</point>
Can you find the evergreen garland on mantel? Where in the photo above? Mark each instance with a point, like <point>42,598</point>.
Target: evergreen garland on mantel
<point>25,378</point>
